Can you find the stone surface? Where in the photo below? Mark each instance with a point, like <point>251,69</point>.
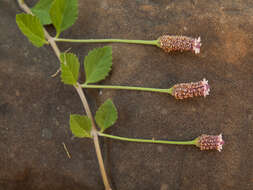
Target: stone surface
<point>34,108</point>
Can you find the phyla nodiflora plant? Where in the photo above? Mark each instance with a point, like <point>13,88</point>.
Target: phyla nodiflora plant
<point>97,64</point>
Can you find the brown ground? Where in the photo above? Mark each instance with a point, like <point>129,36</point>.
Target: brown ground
<point>35,108</point>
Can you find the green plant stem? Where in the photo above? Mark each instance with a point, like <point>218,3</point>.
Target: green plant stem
<point>192,142</point>
<point>168,91</point>
<point>83,99</point>
<point>146,42</point>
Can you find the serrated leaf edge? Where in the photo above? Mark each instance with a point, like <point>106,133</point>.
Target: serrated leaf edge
<point>27,28</point>
<point>86,134</point>
<point>107,74</point>
<point>65,64</point>
<point>102,129</point>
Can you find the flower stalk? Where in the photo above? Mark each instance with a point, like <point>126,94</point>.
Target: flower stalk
<point>179,91</point>
<point>204,142</point>
<point>145,42</point>
<point>168,91</point>
<point>192,142</point>
<point>166,42</point>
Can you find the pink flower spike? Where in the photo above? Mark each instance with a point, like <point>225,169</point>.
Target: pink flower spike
<point>179,43</point>
<point>210,142</point>
<point>190,90</point>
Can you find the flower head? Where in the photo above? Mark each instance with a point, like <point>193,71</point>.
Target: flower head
<point>189,90</point>
<point>210,142</point>
<point>180,43</point>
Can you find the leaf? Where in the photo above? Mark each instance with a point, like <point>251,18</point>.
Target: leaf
<point>69,68</point>
<point>80,125</point>
<point>41,10</point>
<point>31,27</point>
<point>63,14</point>
<point>98,64</point>
<point>106,115</point>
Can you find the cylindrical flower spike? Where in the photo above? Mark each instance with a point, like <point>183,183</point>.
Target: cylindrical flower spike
<point>179,43</point>
<point>210,142</point>
<point>189,90</point>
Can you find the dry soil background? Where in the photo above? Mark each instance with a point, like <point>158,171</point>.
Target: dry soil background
<point>35,108</point>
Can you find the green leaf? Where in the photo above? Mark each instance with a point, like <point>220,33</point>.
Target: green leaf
<point>69,68</point>
<point>63,14</point>
<point>80,125</point>
<point>31,27</point>
<point>106,115</point>
<point>98,64</point>
<point>41,10</point>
